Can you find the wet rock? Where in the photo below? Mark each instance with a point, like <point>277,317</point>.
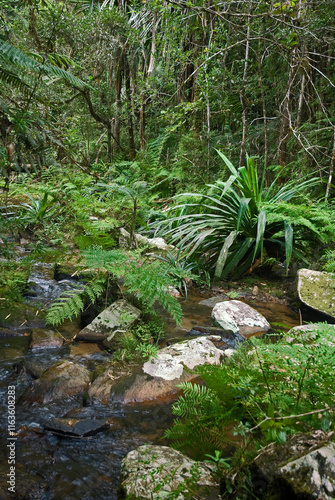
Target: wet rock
<point>170,361</point>
<point>316,290</point>
<point>102,387</point>
<point>237,317</point>
<point>6,332</point>
<point>302,468</point>
<point>22,317</point>
<point>45,339</point>
<point>119,316</point>
<point>73,427</point>
<point>63,379</point>
<point>150,466</point>
<point>211,302</point>
<point>34,367</point>
<point>230,339</point>
<point>158,377</point>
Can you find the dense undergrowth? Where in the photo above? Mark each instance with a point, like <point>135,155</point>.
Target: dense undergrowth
<point>265,393</point>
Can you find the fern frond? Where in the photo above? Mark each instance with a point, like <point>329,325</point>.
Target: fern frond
<point>71,303</point>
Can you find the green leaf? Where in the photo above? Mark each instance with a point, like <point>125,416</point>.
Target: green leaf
<point>288,243</point>
<point>224,253</point>
<point>261,225</point>
<point>271,410</point>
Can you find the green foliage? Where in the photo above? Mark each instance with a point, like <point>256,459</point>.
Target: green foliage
<point>71,303</point>
<point>237,218</point>
<point>266,393</point>
<point>148,282</point>
<point>34,213</point>
<point>13,57</point>
<point>180,269</point>
<point>13,281</point>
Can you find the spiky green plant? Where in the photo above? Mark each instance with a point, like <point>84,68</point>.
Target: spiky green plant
<point>234,221</point>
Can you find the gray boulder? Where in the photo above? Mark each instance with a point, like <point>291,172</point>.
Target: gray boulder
<point>152,472</point>
<point>237,317</point>
<point>316,290</point>
<point>119,316</point>
<point>302,468</point>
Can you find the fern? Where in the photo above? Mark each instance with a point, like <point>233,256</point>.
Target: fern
<point>72,303</point>
<point>21,61</point>
<point>260,389</point>
<point>147,281</point>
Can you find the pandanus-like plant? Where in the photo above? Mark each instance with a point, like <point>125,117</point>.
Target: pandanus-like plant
<point>231,224</point>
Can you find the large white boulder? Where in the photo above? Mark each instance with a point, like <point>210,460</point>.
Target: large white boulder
<point>237,317</point>
<point>158,377</point>
<point>170,361</point>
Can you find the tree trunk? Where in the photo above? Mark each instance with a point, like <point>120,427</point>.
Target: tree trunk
<point>243,98</point>
<point>118,103</point>
<point>132,152</point>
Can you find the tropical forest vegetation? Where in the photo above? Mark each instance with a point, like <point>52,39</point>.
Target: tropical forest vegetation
<point>208,123</point>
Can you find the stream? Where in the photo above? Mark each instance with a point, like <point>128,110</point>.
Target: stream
<point>49,467</point>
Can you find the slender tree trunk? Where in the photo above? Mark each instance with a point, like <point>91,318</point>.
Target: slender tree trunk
<point>118,104</point>
<point>132,152</point>
<point>148,74</point>
<point>331,170</point>
<point>243,98</point>
<point>142,124</point>
<point>109,143</point>
<point>286,120</point>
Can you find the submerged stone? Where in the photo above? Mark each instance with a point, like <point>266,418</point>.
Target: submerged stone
<point>317,290</point>
<point>152,472</point>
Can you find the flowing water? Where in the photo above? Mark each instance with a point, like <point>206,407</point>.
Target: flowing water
<point>50,467</point>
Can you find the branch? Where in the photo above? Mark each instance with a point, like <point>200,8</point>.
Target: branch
<point>290,417</point>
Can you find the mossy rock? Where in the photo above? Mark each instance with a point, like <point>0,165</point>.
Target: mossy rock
<point>317,290</point>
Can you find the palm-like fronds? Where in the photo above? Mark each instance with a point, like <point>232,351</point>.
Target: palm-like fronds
<point>19,61</point>
<point>231,223</point>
